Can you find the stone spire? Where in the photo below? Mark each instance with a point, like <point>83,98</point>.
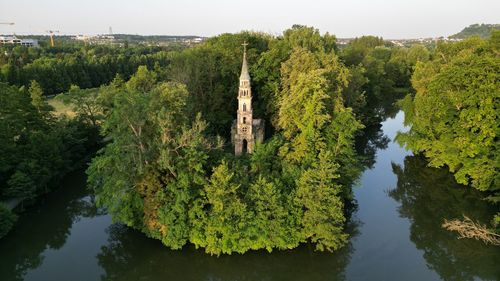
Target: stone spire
<point>244,67</point>
<point>246,131</point>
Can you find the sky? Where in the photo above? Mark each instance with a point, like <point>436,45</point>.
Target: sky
<point>391,19</point>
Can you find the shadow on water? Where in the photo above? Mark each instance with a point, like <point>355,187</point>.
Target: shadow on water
<point>46,225</point>
<point>427,197</point>
<point>131,256</point>
<point>64,237</point>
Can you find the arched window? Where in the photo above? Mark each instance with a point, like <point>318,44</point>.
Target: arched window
<point>244,107</point>
<point>244,147</point>
<point>244,120</point>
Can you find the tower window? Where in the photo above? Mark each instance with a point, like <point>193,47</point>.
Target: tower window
<point>244,120</point>
<point>244,107</point>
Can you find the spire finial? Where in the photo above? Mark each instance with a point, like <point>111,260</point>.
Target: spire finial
<point>245,44</point>
<point>244,67</point>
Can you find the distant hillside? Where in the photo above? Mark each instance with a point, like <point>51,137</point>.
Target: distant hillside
<point>481,30</point>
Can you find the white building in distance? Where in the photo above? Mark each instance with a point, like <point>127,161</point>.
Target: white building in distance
<point>16,41</point>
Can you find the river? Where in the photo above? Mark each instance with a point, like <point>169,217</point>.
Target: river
<point>396,234</point>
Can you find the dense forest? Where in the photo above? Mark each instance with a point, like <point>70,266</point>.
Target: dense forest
<point>162,117</point>
<point>56,69</point>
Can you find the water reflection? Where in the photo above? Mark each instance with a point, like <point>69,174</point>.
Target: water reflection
<point>427,196</point>
<point>372,138</point>
<point>369,142</point>
<point>130,256</point>
<point>38,230</point>
<point>67,238</point>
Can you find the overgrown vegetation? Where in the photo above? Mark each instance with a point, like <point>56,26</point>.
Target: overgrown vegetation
<point>167,172</point>
<point>454,113</point>
<point>167,168</point>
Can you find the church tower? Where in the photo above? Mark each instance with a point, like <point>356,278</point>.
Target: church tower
<point>246,131</point>
<point>244,138</point>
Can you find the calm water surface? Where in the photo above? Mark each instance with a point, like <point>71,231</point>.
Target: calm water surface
<point>396,235</point>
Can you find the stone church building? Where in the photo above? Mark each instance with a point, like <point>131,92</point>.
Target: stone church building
<point>246,131</point>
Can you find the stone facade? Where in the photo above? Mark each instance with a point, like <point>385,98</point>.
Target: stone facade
<point>246,131</point>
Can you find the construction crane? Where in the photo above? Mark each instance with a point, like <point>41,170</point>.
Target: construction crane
<point>51,34</point>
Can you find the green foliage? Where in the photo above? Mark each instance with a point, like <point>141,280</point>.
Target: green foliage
<point>379,74</point>
<point>225,226</point>
<point>481,30</point>
<point>210,71</point>
<point>312,116</point>
<point>164,174</point>
<point>57,69</point>
<point>38,101</point>
<point>359,48</point>
<point>322,219</point>
<point>272,223</point>
<point>7,220</point>
<point>454,114</point>
<point>37,149</point>
<point>267,72</point>
<point>84,103</point>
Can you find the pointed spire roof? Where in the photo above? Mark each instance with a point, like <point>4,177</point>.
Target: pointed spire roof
<point>244,67</point>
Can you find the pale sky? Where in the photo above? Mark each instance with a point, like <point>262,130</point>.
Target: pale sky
<point>391,19</point>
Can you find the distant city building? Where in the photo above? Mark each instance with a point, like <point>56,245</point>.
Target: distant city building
<point>97,39</point>
<point>17,41</point>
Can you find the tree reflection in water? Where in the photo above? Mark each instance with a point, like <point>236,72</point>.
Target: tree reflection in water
<point>131,256</point>
<point>427,197</point>
<point>43,226</point>
<point>372,138</point>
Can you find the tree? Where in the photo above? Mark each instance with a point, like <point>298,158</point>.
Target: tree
<point>143,80</point>
<point>226,217</point>
<point>37,149</point>
<point>272,225</point>
<point>84,103</point>
<point>318,195</point>
<point>454,113</point>
<point>37,99</point>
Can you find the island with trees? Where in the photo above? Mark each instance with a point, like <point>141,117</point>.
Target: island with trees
<point>161,119</point>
